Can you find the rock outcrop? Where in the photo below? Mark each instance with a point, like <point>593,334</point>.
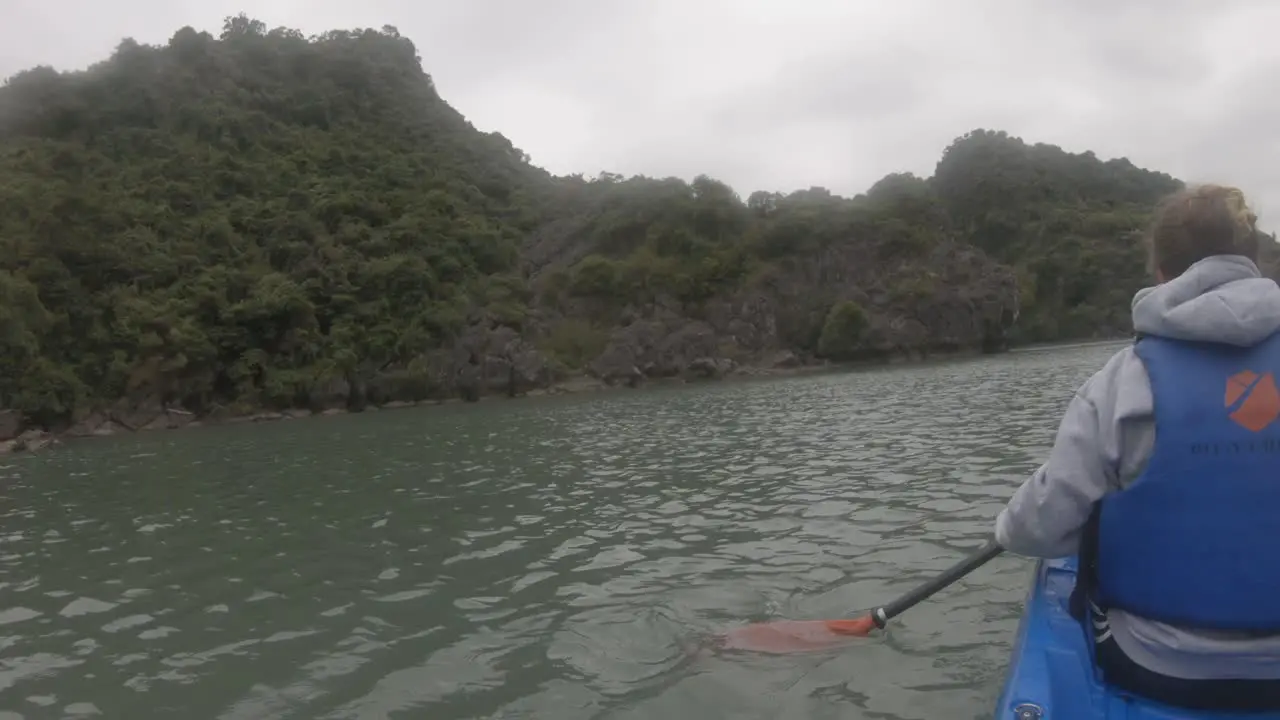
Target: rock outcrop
<point>10,424</point>
<point>953,301</point>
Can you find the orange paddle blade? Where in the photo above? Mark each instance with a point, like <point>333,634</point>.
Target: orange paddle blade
<point>793,636</point>
<point>861,627</point>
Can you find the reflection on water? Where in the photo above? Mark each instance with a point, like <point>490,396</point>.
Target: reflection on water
<point>554,558</point>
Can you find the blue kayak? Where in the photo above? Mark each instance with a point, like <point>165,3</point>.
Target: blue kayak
<point>1051,674</point>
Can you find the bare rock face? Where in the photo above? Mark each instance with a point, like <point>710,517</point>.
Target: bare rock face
<point>497,359</point>
<point>10,424</point>
<point>136,414</point>
<point>487,359</point>
<point>508,363</point>
<point>784,359</point>
<point>139,413</point>
<point>95,425</point>
<point>664,346</point>
<point>29,441</point>
<point>953,299</point>
<point>709,368</point>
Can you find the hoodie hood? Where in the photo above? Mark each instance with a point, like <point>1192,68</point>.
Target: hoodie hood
<point>1222,299</point>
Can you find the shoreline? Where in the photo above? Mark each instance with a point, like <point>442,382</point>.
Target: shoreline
<point>107,425</point>
<point>169,419</point>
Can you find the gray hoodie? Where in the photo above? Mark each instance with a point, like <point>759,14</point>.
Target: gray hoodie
<point>1106,437</point>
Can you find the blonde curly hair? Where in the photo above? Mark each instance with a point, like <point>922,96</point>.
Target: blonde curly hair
<point>1199,222</point>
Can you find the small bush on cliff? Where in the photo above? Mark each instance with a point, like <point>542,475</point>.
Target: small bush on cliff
<point>595,276</point>
<point>842,331</point>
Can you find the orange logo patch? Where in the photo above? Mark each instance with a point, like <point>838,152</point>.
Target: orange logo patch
<point>1256,397</point>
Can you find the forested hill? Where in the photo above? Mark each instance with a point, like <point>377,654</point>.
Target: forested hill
<point>264,221</point>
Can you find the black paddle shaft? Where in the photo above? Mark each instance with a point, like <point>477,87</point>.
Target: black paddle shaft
<point>882,615</point>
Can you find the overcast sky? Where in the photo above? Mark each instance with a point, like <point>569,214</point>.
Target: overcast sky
<point>784,94</point>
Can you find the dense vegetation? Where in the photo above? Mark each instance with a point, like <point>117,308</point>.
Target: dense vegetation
<point>266,220</point>
<point>243,219</point>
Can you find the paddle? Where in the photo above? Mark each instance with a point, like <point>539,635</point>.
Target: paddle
<point>783,636</point>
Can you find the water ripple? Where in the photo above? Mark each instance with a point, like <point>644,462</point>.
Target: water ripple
<point>557,558</point>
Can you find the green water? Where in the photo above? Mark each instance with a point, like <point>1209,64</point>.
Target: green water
<point>545,558</point>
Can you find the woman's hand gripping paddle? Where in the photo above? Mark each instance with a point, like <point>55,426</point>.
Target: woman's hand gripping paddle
<point>788,636</point>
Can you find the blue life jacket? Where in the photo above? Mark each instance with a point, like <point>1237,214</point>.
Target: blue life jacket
<point>1195,539</point>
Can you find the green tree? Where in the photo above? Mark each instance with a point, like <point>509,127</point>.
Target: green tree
<point>842,331</point>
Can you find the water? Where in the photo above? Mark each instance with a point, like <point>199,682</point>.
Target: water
<point>548,558</point>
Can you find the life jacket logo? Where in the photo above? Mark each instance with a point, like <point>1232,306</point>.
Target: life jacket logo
<point>1253,400</point>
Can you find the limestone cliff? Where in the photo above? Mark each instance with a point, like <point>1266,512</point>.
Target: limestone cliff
<point>262,224</point>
